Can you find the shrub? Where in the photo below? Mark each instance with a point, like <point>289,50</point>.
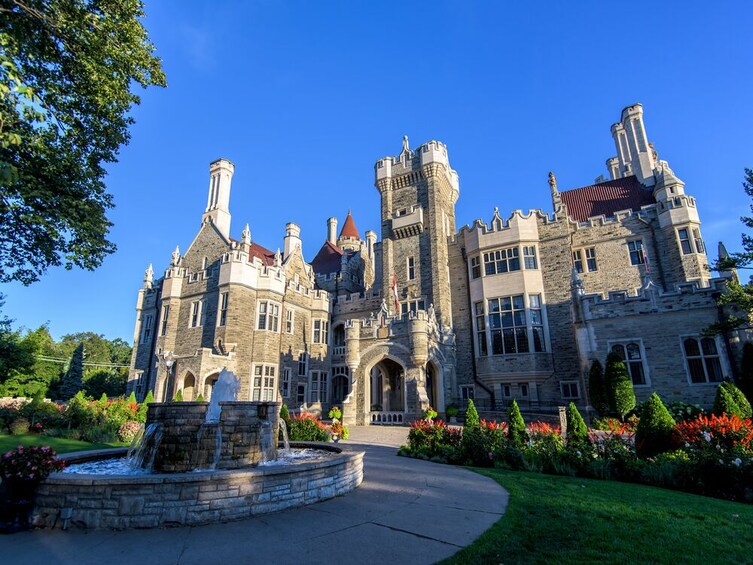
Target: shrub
<point>307,427</point>
<point>724,403</point>
<point>143,407</point>
<point>128,430</point>
<point>29,463</point>
<point>597,392</point>
<point>717,437</point>
<point>616,457</point>
<point>285,414</point>
<point>739,398</point>
<point>543,451</point>
<point>656,431</point>
<point>340,430</point>
<point>429,414</point>
<point>102,433</point>
<point>451,410</point>
<point>746,371</point>
<point>516,431</point>
<point>471,415</point>
<point>480,443</point>
<point>683,412</point>
<point>132,397</point>
<point>178,396</point>
<point>19,426</point>
<point>335,413</point>
<point>200,398</point>
<point>577,431</point>
<point>619,386</point>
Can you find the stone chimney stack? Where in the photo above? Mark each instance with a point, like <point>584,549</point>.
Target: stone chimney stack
<point>634,154</point>
<point>371,239</point>
<point>332,230</point>
<point>218,202</point>
<point>292,238</point>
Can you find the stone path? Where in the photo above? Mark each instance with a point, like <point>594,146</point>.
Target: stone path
<point>406,511</point>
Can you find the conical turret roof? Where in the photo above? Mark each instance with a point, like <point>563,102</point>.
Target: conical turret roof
<point>349,228</point>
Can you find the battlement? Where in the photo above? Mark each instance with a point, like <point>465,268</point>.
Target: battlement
<point>410,161</point>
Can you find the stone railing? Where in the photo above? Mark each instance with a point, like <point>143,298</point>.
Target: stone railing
<point>388,418</point>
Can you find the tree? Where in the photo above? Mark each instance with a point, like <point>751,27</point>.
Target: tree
<point>597,393</point>
<point>577,431</point>
<point>66,70</point>
<point>656,429</point>
<point>737,395</point>
<point>73,380</point>
<point>471,415</point>
<point>746,371</point>
<point>724,403</point>
<point>516,426</point>
<point>619,386</point>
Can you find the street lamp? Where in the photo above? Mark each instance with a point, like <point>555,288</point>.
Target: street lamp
<point>169,360</point>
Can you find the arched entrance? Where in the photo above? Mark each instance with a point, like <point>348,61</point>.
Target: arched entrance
<point>431,384</point>
<point>387,392</point>
<point>189,387</point>
<point>340,384</point>
<point>209,383</point>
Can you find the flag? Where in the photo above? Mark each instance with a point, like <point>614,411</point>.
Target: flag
<point>394,294</point>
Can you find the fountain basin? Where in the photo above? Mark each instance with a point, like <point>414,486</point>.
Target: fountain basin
<point>191,498</point>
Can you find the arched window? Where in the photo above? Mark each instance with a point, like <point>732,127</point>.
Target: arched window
<point>702,358</point>
<point>631,354</point>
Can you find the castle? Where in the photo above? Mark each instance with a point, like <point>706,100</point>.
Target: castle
<point>430,315</point>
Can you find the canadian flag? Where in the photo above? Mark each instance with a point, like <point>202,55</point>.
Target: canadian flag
<point>394,294</point>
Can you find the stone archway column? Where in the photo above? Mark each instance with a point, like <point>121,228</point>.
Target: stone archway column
<point>353,405</point>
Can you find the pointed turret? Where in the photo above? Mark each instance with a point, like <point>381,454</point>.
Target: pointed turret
<point>349,237</point>
<point>148,276</point>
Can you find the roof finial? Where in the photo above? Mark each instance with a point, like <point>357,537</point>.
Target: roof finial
<point>556,200</point>
<point>406,147</point>
<point>148,276</point>
<point>278,258</point>
<point>175,257</point>
<point>246,235</point>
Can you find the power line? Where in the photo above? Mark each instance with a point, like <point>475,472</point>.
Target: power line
<point>64,361</point>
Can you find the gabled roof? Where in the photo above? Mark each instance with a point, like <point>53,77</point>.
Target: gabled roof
<point>606,198</point>
<point>328,259</point>
<point>349,228</point>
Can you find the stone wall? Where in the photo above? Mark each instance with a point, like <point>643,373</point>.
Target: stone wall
<point>150,501</point>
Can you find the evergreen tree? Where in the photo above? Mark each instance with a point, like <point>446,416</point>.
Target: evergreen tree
<point>143,408</point>
<point>577,431</point>
<point>619,386</point>
<point>597,393</point>
<point>737,395</point>
<point>73,380</point>
<point>178,396</point>
<point>724,403</point>
<point>746,371</point>
<point>131,397</point>
<point>471,415</point>
<point>656,429</point>
<point>103,399</point>
<point>200,398</point>
<point>516,427</point>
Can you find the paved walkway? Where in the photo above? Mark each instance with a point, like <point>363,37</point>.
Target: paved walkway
<point>406,511</point>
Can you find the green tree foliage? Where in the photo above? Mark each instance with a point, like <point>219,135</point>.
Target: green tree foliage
<point>73,380</point>
<point>656,429</point>
<point>471,415</point>
<point>619,386</point>
<point>144,406</point>
<point>516,427</point>
<point>597,393</point>
<point>66,72</point>
<point>724,403</point>
<point>131,397</point>
<point>746,371</point>
<point>577,431</point>
<point>200,398</point>
<point>737,395</point>
<point>178,396</point>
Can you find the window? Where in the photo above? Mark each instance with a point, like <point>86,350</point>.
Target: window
<point>269,316</point>
<point>321,331</point>
<point>303,362</point>
<point>591,258</point>
<point>165,316</point>
<point>501,261</point>
<point>682,235</point>
<point>702,358</point>
<point>523,389</point>
<point>411,268</point>
<point>204,263</point>
<point>318,389</point>
<point>570,389</point>
<point>287,374</point>
<point>204,310</point>
<point>529,257</point>
<point>480,329</point>
<point>195,313</point>
<point>537,322</point>
<point>146,329</point>
<point>264,382</point>
<point>578,261</point>
<point>699,247</point>
<point>506,391</point>
<point>223,308</point>
<point>300,394</point>
<point>507,321</point>
<point>340,383</point>
<point>636,252</point>
<point>466,392</point>
<point>289,321</point>
<point>475,267</point>
<point>632,355</point>
<point>412,306</point>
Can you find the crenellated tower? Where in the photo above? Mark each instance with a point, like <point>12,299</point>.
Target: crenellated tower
<point>418,191</point>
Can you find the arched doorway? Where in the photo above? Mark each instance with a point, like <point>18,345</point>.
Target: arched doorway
<point>340,384</point>
<point>387,379</point>
<point>189,387</point>
<point>209,383</point>
<point>431,384</point>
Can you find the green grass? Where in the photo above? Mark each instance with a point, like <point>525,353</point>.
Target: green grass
<point>61,445</point>
<point>552,519</point>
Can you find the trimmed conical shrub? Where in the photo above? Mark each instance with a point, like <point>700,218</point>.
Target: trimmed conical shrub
<point>656,429</point>
<point>200,398</point>
<point>73,379</point>
<point>619,387</point>
<point>724,403</point>
<point>577,431</point>
<point>597,393</point>
<point>739,398</point>
<point>516,427</point>
<point>131,397</point>
<point>471,415</point>
<point>178,396</point>
<point>142,409</point>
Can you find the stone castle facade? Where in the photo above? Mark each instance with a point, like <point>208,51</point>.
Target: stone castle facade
<point>430,315</point>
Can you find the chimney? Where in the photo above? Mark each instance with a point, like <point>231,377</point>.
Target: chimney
<point>332,230</point>
<point>292,238</point>
<point>218,201</point>
<point>371,238</point>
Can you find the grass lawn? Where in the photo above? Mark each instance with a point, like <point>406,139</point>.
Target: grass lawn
<point>61,445</point>
<point>552,519</point>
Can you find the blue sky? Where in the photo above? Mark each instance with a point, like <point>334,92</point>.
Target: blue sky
<point>304,97</point>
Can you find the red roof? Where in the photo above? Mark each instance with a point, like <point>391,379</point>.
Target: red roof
<point>349,228</point>
<point>255,250</point>
<point>606,198</point>
<point>328,259</point>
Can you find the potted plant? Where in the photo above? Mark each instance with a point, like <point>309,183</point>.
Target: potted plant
<point>429,414</point>
<point>21,470</point>
<point>338,429</point>
<point>452,413</point>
